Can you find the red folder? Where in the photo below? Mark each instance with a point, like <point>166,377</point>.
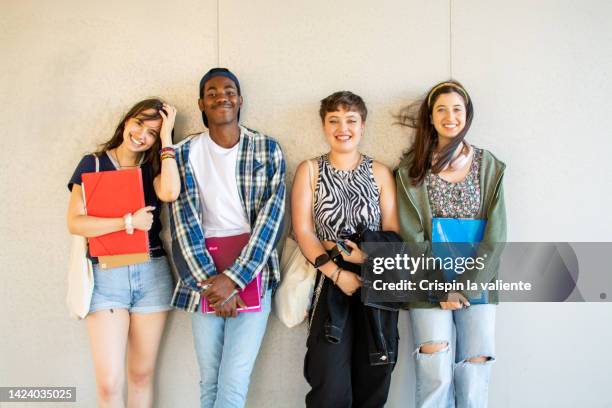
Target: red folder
<point>112,194</point>
<point>224,251</point>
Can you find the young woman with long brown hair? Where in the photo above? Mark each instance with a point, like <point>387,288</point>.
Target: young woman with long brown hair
<point>443,176</point>
<point>130,303</point>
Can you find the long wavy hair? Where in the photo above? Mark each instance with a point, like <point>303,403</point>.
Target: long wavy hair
<point>417,116</point>
<point>138,112</point>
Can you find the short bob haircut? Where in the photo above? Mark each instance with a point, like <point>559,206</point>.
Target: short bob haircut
<point>345,100</point>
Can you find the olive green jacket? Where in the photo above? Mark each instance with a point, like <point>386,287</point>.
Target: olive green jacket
<point>415,217</point>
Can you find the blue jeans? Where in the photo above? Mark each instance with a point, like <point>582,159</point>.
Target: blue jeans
<point>440,381</point>
<point>226,349</point>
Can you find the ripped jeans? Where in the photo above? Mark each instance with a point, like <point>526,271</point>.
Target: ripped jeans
<point>440,382</point>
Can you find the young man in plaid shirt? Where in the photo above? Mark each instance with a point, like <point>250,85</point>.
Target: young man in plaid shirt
<point>232,183</point>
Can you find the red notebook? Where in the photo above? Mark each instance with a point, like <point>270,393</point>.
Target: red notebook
<point>113,194</point>
<point>224,251</point>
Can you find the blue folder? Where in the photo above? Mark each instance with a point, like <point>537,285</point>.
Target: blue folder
<point>448,230</point>
<point>457,230</point>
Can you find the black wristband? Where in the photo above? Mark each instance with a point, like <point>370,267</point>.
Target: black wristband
<point>321,260</point>
<point>336,254</point>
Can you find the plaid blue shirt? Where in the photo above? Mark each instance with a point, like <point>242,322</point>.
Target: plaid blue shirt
<point>260,176</point>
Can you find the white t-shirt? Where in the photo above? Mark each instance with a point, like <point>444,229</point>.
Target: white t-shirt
<point>214,168</point>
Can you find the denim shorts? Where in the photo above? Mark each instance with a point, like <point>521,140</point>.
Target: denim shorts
<point>139,288</point>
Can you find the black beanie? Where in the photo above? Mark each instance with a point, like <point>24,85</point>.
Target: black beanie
<point>215,72</point>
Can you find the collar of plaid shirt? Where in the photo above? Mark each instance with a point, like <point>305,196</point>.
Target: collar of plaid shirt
<point>260,176</point>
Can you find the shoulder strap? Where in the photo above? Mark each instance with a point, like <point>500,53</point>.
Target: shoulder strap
<point>313,184</point>
<point>97,163</point>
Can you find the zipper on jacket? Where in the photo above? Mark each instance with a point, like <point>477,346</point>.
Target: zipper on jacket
<point>316,300</point>
<point>410,198</point>
<point>385,356</point>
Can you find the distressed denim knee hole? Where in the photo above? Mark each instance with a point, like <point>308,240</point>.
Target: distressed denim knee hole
<point>441,347</point>
<point>479,360</point>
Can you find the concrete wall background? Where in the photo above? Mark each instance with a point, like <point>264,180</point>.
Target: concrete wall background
<point>539,74</point>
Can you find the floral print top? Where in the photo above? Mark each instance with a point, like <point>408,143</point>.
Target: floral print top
<point>456,200</point>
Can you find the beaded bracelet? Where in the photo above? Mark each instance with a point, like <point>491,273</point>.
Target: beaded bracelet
<point>333,275</point>
<point>166,149</point>
<point>167,156</point>
<point>338,277</point>
<point>127,221</point>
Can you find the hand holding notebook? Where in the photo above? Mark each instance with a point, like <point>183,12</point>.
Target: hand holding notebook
<point>224,251</point>
<point>222,296</point>
<point>113,194</point>
<point>465,234</point>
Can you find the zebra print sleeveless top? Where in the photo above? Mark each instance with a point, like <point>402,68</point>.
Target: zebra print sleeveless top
<point>344,199</point>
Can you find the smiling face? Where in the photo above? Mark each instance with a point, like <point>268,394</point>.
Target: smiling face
<point>220,102</point>
<point>343,130</point>
<point>139,134</point>
<point>448,115</point>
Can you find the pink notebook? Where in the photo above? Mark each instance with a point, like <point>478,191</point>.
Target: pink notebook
<point>224,251</point>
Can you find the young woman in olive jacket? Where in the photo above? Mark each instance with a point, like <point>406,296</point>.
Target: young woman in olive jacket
<point>443,176</point>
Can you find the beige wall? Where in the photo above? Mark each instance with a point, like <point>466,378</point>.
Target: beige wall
<point>539,73</point>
